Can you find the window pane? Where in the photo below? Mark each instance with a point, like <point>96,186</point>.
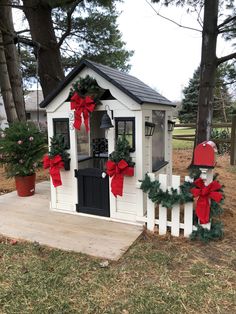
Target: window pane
<point>121,127</point>
<point>126,126</point>
<point>129,127</point>
<point>158,138</point>
<point>61,127</point>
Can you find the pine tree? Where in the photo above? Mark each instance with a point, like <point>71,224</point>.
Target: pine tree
<point>222,106</point>
<point>188,113</point>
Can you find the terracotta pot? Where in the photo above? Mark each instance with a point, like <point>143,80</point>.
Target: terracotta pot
<point>25,186</point>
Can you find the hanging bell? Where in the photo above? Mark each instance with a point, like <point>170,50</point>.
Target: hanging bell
<point>106,122</point>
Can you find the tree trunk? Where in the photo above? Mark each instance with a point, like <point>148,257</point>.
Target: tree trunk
<point>6,86</point>
<point>207,71</point>
<point>42,31</point>
<point>12,59</point>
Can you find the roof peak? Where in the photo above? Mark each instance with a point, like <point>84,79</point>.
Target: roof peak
<point>130,85</point>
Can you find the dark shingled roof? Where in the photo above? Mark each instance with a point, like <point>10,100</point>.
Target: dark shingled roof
<point>128,84</point>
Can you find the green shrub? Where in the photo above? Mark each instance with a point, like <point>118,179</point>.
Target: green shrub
<point>219,134</point>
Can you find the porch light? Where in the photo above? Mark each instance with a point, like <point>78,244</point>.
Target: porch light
<point>149,128</point>
<point>106,120</point>
<point>171,125</point>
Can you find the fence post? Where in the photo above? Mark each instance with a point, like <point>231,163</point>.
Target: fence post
<point>188,214</point>
<point>233,142</point>
<point>150,209</point>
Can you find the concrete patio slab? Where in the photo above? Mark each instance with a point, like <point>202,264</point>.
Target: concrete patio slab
<point>29,218</point>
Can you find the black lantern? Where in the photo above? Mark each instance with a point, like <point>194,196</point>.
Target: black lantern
<point>106,120</point>
<point>171,125</point>
<point>149,128</point>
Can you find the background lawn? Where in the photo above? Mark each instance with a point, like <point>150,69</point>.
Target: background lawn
<point>181,144</point>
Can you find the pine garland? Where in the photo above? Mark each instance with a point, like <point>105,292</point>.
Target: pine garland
<point>165,198</point>
<point>169,198</point>
<point>87,87</point>
<point>57,147</point>
<point>215,233</point>
<point>122,151</point>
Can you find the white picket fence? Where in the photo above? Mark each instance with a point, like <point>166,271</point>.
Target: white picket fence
<point>174,224</point>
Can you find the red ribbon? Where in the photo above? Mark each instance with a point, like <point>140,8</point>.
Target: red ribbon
<point>81,106</point>
<point>204,194</point>
<point>117,171</point>
<point>55,164</point>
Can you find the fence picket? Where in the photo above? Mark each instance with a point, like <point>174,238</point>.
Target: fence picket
<point>162,210</point>
<point>188,219</point>
<point>175,212</point>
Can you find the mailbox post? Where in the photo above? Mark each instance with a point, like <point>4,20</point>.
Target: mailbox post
<point>204,159</point>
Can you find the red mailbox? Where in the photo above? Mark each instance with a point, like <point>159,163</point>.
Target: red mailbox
<point>204,155</point>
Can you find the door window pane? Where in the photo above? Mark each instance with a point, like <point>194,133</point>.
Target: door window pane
<point>83,145</point>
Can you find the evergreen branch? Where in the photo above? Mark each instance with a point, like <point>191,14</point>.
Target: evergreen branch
<point>170,20</point>
<point>226,58</point>
<point>69,19</point>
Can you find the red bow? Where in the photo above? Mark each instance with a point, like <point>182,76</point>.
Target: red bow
<point>81,105</point>
<point>204,194</point>
<point>54,164</point>
<point>117,171</point>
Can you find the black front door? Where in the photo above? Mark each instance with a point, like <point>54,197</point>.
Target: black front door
<point>93,192</point>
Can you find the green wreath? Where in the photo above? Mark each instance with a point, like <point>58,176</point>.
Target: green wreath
<point>87,86</point>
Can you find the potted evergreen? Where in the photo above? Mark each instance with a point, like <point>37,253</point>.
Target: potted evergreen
<point>22,146</point>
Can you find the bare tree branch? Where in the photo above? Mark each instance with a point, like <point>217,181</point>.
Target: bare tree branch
<point>23,31</point>
<point>170,20</point>
<point>50,3</point>
<point>226,58</point>
<point>226,21</point>
<point>199,19</point>
<point>14,6</point>
<point>69,17</point>
<point>57,3</point>
<point>227,30</point>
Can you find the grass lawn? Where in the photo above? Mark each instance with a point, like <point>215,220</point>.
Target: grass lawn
<point>157,275</point>
<point>180,144</point>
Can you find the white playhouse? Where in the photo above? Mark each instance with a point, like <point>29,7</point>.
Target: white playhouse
<point>134,110</point>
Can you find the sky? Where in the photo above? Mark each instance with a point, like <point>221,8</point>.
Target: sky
<point>165,54</point>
